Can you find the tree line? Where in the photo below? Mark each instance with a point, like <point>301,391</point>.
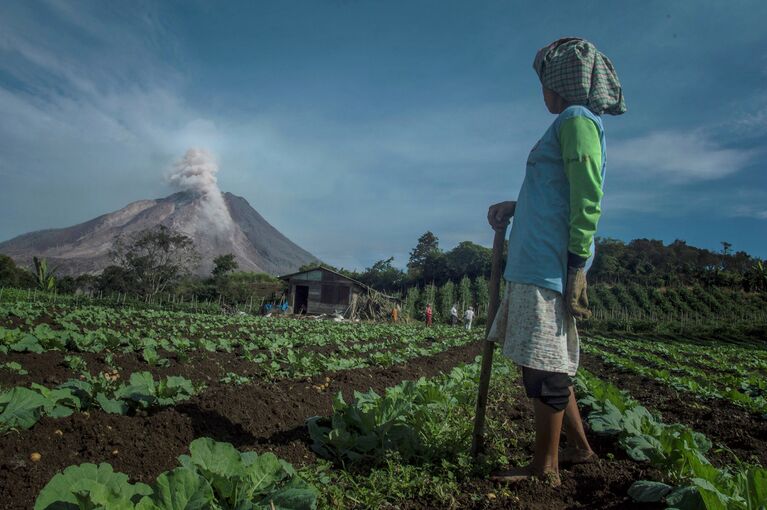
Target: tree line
<point>161,260</point>
<point>148,263</point>
<point>646,262</point>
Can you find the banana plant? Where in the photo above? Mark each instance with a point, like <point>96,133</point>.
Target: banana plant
<point>46,280</point>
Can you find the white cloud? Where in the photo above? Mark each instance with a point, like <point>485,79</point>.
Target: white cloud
<point>351,193</point>
<point>676,157</point>
<point>676,201</point>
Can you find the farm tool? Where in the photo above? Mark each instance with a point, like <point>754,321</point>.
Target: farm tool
<point>477,438</point>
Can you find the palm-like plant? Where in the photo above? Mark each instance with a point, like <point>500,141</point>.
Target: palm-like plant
<point>45,277</point>
<point>760,275</point>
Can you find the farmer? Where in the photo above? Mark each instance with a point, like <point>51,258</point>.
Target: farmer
<point>428,314</point>
<point>468,316</point>
<point>551,247</point>
<point>454,315</point>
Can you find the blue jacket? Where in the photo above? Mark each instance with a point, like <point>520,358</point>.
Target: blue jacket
<point>540,229</point>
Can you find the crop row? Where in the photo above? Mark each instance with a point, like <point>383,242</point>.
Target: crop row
<point>747,393</point>
<point>704,303</point>
<point>676,449</point>
<point>21,408</point>
<point>746,379</point>
<point>421,428</point>
<point>413,441</point>
<point>94,326</point>
<point>718,356</point>
<point>213,475</point>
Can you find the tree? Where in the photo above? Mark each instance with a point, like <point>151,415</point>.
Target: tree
<point>756,277</point>
<point>224,264</point>
<point>46,280</point>
<point>429,297</point>
<point>469,259</point>
<point>383,276</point>
<point>240,287</point>
<point>483,296</point>
<point>435,269</point>
<point>464,293</point>
<point>428,243</point>
<point>446,298</point>
<point>155,258</point>
<point>411,302</point>
<point>9,273</point>
<point>116,279</point>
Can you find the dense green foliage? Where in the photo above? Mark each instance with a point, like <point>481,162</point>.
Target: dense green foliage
<point>713,312</point>
<point>278,347</point>
<point>651,263</point>
<point>154,259</point>
<point>407,443</point>
<point>214,475</point>
<point>420,420</point>
<point>677,449</point>
<point>688,367</point>
<point>21,408</point>
<point>13,276</point>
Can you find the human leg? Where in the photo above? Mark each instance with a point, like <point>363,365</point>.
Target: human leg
<point>550,393</point>
<point>578,449</point>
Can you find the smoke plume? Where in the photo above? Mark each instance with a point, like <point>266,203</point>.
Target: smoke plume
<point>196,172</point>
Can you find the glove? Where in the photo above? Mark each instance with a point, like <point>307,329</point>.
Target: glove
<point>576,299</point>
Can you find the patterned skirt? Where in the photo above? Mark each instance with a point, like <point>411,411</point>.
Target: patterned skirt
<point>536,330</point>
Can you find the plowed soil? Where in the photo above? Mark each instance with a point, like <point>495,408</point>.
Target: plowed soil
<point>271,417</point>
<point>259,416</point>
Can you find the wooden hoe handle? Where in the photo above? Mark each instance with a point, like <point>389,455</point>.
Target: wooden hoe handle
<point>477,438</point>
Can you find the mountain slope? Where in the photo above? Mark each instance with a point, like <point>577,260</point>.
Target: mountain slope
<point>241,230</point>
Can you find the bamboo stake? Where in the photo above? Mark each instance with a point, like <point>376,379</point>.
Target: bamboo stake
<point>478,436</point>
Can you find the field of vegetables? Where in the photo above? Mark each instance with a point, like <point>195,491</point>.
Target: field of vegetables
<point>146,408</point>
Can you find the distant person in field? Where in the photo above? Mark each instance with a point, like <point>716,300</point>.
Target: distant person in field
<point>428,314</point>
<point>394,314</point>
<point>454,315</point>
<point>468,317</point>
<point>552,245</point>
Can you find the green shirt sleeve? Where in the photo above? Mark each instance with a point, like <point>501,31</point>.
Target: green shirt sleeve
<point>582,156</point>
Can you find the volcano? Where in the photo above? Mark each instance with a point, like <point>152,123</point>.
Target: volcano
<point>84,248</point>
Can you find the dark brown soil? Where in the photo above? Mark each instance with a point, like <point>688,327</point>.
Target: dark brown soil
<point>261,417</point>
<point>602,485</point>
<point>50,368</point>
<point>271,417</point>
<point>724,423</point>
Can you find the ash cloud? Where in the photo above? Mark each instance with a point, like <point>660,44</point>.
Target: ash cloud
<point>196,172</point>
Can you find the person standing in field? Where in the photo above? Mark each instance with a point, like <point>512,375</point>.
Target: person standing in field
<point>428,314</point>
<point>468,317</point>
<point>454,315</point>
<point>394,313</point>
<point>551,247</point>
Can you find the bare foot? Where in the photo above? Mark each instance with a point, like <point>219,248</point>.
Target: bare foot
<point>520,474</point>
<point>571,456</point>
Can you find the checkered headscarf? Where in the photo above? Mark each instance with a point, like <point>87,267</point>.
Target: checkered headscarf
<point>581,74</point>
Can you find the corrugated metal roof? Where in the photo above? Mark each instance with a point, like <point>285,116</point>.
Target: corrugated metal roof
<point>323,268</point>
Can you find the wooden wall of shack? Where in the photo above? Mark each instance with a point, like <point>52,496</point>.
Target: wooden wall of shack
<point>328,292</point>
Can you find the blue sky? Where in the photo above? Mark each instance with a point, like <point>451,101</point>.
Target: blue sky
<point>355,126</point>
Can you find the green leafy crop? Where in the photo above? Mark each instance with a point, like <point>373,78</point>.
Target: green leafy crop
<point>213,476</point>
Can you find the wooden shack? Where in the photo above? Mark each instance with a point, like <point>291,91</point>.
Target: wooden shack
<point>322,290</point>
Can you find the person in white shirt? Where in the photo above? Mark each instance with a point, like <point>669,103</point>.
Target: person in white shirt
<point>454,315</point>
<point>468,316</point>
